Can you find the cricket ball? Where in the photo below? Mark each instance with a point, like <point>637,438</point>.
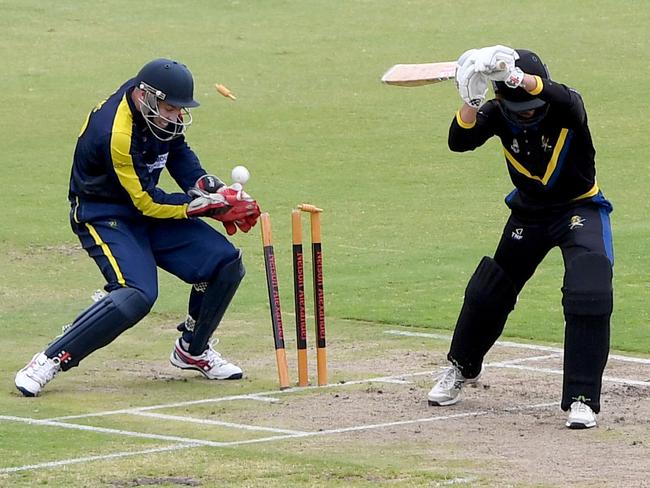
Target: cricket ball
<point>240,174</point>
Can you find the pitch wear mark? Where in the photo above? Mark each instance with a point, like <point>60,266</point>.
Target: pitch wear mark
<point>518,234</point>
<point>576,221</point>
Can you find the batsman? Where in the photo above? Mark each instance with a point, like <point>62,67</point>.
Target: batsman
<point>556,202</point>
<point>131,227</point>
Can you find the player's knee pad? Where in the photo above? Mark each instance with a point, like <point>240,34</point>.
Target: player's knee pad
<point>232,272</point>
<point>216,299</point>
<point>587,286</point>
<point>99,325</point>
<point>490,289</point>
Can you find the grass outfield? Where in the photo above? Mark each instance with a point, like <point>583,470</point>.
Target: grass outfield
<point>405,222</point>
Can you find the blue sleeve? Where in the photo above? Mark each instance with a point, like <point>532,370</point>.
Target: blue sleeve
<point>183,164</point>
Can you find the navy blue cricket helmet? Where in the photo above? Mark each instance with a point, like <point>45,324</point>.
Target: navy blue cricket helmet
<point>170,80</point>
<point>165,80</point>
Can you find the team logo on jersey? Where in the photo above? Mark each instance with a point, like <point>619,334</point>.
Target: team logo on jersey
<point>514,146</point>
<point>517,234</point>
<point>112,223</point>
<point>576,221</point>
<point>159,163</point>
<point>546,144</point>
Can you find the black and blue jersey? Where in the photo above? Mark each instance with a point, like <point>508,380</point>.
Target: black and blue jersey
<point>551,163</point>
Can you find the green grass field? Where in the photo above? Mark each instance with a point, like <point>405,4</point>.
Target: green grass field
<point>405,222</point>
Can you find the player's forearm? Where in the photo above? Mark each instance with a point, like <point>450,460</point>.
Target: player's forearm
<point>467,114</point>
<point>529,83</point>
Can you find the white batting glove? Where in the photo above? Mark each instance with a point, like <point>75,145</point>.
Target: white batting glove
<point>467,55</point>
<point>510,75</point>
<point>491,58</point>
<point>472,85</point>
<point>498,64</point>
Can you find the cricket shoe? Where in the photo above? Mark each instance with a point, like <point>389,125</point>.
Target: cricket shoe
<point>39,371</point>
<point>210,363</point>
<point>447,390</point>
<point>581,416</point>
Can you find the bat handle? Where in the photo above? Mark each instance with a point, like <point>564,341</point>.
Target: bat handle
<point>502,65</point>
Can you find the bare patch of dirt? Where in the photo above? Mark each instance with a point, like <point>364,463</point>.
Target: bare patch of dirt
<point>510,424</point>
<point>61,249</point>
<point>155,481</point>
<point>507,431</point>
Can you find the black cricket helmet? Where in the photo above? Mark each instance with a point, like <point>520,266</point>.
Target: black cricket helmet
<point>517,99</point>
<point>169,81</point>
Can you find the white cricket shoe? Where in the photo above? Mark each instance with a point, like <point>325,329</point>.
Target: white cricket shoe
<point>581,416</point>
<point>210,363</point>
<point>447,390</point>
<point>39,371</point>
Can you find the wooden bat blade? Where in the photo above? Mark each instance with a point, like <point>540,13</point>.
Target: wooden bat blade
<point>419,74</point>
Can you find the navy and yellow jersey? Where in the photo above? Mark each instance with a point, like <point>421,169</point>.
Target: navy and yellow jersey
<point>551,163</point>
<point>118,161</point>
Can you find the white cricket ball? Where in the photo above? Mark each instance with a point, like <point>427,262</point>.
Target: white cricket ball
<point>240,174</point>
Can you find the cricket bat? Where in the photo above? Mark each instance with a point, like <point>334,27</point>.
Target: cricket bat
<point>420,74</point>
<point>423,73</point>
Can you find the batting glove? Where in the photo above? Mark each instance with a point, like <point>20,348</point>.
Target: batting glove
<point>472,86</point>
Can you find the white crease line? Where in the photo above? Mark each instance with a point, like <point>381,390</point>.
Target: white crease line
<point>105,430</point>
<point>531,407</point>
<point>191,443</point>
<point>456,481</point>
<point>217,422</point>
<point>518,345</point>
<point>394,381</point>
<point>264,396</point>
<point>610,379</point>
<point>359,428</point>
<point>255,396</point>
<point>378,249</point>
<point>511,362</point>
<point>66,462</point>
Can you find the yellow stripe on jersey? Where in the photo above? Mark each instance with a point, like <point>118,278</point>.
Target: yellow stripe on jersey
<point>123,167</point>
<point>74,212</point>
<point>552,164</point>
<point>540,86</point>
<point>109,255</point>
<point>462,123</point>
<point>594,191</point>
<point>85,124</point>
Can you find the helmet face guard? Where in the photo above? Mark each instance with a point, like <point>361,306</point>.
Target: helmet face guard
<point>516,104</point>
<point>149,107</point>
<point>164,80</point>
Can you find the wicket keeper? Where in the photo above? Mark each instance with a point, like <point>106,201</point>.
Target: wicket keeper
<point>131,227</point>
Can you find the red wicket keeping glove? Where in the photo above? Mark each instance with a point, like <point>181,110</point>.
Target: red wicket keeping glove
<point>208,205</point>
<point>243,210</point>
